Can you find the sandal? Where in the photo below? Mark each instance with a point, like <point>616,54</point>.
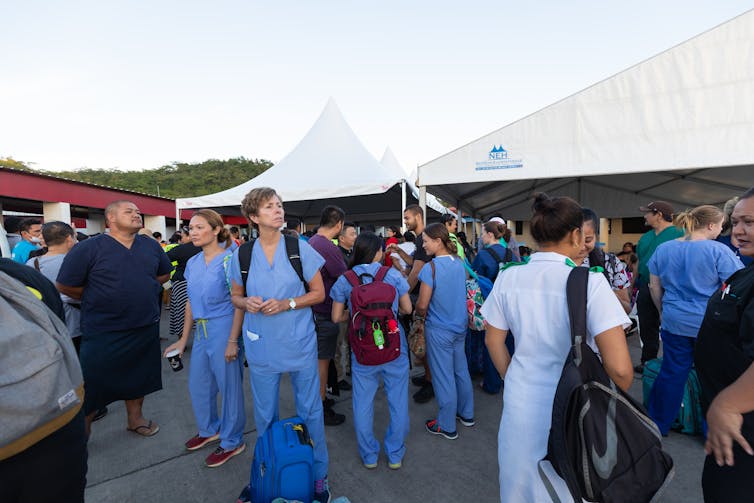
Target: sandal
<point>145,430</point>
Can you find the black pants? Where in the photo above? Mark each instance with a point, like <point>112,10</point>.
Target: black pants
<point>729,484</point>
<point>52,470</point>
<point>649,324</point>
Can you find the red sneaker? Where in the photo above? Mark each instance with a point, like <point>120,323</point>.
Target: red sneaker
<point>221,456</point>
<point>197,442</point>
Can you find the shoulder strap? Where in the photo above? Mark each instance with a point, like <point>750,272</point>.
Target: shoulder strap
<point>294,257</point>
<point>508,255</point>
<point>36,264</point>
<point>576,293</point>
<point>381,273</point>
<point>352,278</point>
<point>244,260</point>
<point>495,255</point>
<point>432,265</point>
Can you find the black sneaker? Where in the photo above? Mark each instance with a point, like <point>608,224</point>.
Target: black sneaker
<point>420,381</point>
<point>332,418</point>
<point>425,394</point>
<point>344,385</point>
<point>466,421</point>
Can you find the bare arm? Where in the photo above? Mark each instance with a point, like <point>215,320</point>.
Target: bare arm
<point>422,303</point>
<point>615,356</point>
<point>656,291</point>
<point>404,304</point>
<point>413,276</point>
<point>338,312</point>
<point>624,299</point>
<point>163,278</point>
<point>494,339</point>
<point>231,349</point>
<point>74,292</point>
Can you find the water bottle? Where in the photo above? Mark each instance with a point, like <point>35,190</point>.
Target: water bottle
<point>379,337</point>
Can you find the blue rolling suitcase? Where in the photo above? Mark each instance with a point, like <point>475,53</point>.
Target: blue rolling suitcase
<point>690,418</point>
<point>283,465</point>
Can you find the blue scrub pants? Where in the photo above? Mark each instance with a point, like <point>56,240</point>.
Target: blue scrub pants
<point>667,392</point>
<point>450,375</point>
<point>366,380</point>
<point>265,386</point>
<point>209,374</point>
<point>492,382</point>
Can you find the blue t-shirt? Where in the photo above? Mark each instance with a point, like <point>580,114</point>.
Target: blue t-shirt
<point>287,341</point>
<point>120,284</point>
<point>208,286</point>
<point>21,251</point>
<point>690,271</point>
<point>447,307</point>
<point>341,290</point>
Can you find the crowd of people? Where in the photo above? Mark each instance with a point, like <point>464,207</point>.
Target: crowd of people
<point>281,303</point>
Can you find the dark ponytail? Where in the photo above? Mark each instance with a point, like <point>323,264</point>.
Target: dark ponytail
<point>554,217</point>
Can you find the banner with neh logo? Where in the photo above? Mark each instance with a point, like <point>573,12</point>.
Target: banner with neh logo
<point>498,158</point>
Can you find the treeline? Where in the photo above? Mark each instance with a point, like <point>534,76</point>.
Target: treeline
<point>173,180</point>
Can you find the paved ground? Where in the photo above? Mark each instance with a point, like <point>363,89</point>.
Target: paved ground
<point>126,468</point>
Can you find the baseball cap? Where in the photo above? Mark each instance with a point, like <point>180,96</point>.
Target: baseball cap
<point>663,207</point>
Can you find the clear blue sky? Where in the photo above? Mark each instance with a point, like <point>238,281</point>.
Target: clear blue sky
<point>137,84</point>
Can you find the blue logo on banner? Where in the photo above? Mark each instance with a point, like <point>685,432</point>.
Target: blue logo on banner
<point>498,153</point>
<point>498,159</point>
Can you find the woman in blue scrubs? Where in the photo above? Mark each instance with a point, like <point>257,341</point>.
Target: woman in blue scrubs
<point>443,297</point>
<point>278,326</point>
<point>367,260</point>
<point>214,366</point>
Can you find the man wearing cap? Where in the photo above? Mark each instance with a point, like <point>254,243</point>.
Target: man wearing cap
<point>659,216</point>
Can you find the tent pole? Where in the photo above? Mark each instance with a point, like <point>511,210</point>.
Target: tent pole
<point>423,200</point>
<point>177,217</point>
<point>403,205</point>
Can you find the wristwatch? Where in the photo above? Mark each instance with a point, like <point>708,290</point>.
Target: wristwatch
<point>291,304</point>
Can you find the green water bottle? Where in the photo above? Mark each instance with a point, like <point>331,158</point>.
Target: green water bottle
<point>379,338</point>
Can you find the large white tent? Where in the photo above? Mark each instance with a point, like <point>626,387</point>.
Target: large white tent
<point>677,127</point>
<point>329,166</point>
<point>391,163</point>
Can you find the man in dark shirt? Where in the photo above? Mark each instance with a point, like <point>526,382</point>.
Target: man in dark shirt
<point>117,276</point>
<point>346,240</point>
<point>330,225</point>
<point>413,217</point>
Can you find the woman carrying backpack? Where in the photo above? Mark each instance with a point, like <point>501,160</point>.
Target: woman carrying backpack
<point>442,297</point>
<point>487,263</point>
<point>366,264</point>
<point>530,301</point>
<point>214,365</point>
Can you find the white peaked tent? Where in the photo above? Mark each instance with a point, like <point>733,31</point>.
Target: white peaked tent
<point>329,166</point>
<point>677,127</point>
<point>390,162</point>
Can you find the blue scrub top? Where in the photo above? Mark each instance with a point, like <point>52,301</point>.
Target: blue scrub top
<point>486,265</point>
<point>341,290</point>
<point>120,284</point>
<point>287,341</point>
<point>208,285</point>
<point>690,271</point>
<point>447,308</point>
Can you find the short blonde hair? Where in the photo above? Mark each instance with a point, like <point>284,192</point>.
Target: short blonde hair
<point>256,198</point>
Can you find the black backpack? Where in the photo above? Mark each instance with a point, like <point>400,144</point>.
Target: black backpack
<point>602,443</point>
<point>291,248</point>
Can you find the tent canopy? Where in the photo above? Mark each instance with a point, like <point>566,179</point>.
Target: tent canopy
<point>329,166</point>
<point>676,127</point>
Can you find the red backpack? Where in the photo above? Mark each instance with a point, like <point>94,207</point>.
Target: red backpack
<point>373,330</point>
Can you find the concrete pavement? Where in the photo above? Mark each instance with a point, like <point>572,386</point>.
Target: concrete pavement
<point>124,467</point>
